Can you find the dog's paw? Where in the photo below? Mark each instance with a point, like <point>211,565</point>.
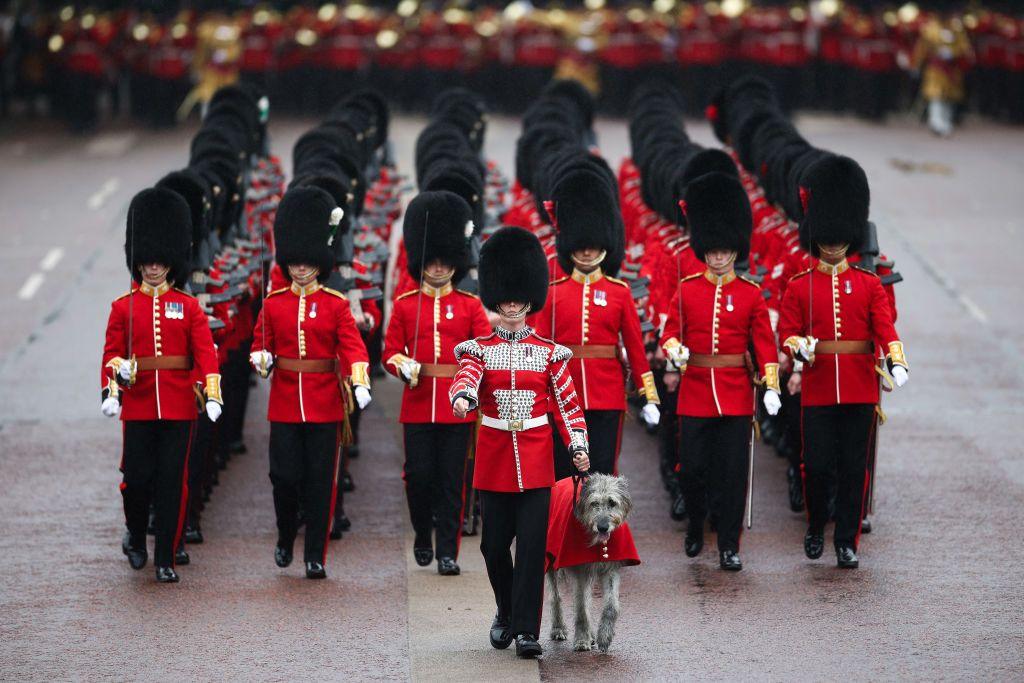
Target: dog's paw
<point>582,646</point>
<point>558,634</point>
<point>603,644</point>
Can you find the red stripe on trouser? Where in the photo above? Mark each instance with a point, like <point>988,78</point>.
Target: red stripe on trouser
<point>183,505</point>
<point>470,446</point>
<point>120,466</point>
<point>864,490</point>
<point>618,445</point>
<point>334,491</point>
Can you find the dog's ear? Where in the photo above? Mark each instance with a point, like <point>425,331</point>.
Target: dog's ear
<point>627,500</point>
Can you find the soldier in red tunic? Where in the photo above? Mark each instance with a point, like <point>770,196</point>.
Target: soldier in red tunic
<point>156,336</point>
<point>510,375</point>
<point>714,318</point>
<point>590,313</point>
<point>834,317</point>
<point>419,348</point>
<point>306,334</point>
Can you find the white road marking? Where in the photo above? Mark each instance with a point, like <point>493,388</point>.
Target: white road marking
<point>31,286</point>
<point>52,258</point>
<point>99,198</point>
<point>974,309</point>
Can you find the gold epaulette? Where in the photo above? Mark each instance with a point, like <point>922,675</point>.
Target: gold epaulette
<point>279,291</point>
<point>692,277</point>
<point>182,291</point>
<point>404,295</point>
<point>617,281</point>
<point>863,269</point>
<point>749,281</point>
<point>128,293</point>
<point>801,274</point>
<point>462,291</point>
<point>334,292</point>
<point>558,281</point>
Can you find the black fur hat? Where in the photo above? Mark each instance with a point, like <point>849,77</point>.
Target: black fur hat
<point>303,232</point>
<point>835,197</point>
<point>437,226</point>
<point>158,230</point>
<point>718,213</point>
<point>513,267</point>
<point>586,214</point>
<point>195,191</point>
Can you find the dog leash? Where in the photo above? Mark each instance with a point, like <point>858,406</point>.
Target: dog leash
<point>577,482</point>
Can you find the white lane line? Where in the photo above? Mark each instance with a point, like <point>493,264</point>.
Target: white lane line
<point>51,259</point>
<point>974,309</point>
<point>31,286</point>
<point>100,197</point>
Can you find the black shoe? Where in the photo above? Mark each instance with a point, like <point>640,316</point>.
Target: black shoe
<point>527,646</point>
<point>678,511</point>
<point>237,447</point>
<point>423,551</point>
<point>500,636</point>
<point>447,566</point>
<point>353,451</point>
<point>135,552</point>
<point>336,533</point>
<point>729,560</point>
<point>193,535</point>
<point>865,526</point>
<point>814,545</point>
<point>282,556</point>
<point>181,556</point>
<point>796,490</point>
<point>166,575</point>
<point>347,485</point>
<point>342,522</point>
<point>846,558</point>
<point>315,570</point>
<point>694,541</point>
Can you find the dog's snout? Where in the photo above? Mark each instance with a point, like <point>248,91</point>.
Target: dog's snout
<point>602,527</point>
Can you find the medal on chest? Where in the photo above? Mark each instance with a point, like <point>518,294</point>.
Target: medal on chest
<point>848,287</point>
<point>728,303</point>
<point>312,310</point>
<point>600,297</point>
<point>449,313</point>
<point>174,310</point>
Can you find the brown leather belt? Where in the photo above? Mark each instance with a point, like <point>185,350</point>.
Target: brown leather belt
<point>438,370</point>
<point>850,346</point>
<point>594,351</point>
<point>165,363</point>
<point>722,360</point>
<point>312,365</point>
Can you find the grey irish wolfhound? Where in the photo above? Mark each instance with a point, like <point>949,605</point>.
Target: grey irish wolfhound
<point>602,507</point>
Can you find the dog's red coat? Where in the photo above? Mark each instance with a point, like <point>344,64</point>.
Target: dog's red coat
<point>567,539</point>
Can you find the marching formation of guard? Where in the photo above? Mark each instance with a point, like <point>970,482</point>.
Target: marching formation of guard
<point>853,56</point>
<point>722,294</point>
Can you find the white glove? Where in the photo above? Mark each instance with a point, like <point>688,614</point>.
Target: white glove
<point>900,375</point>
<point>362,397</point>
<point>805,348</point>
<point>772,402</point>
<point>650,414</point>
<point>125,371</point>
<point>409,369</point>
<point>678,356</point>
<point>262,362</point>
<point>110,406</point>
<point>213,410</point>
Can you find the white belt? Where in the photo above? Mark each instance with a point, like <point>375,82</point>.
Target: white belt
<point>513,425</point>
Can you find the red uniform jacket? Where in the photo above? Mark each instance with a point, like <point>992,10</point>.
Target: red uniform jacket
<point>509,376</point>
<point>568,541</point>
<point>850,304</point>
<point>446,317</point>
<point>594,311</point>
<point>165,322</point>
<point>716,316</point>
<point>310,324</point>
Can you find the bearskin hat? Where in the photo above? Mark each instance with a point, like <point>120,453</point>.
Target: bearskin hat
<point>718,212</point>
<point>586,214</point>
<point>835,198</point>
<point>158,230</point>
<point>303,232</point>
<point>513,267</point>
<point>193,189</point>
<point>437,226</point>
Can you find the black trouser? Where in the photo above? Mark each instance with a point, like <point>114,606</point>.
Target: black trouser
<point>434,474</point>
<point>836,440</point>
<point>153,463</point>
<point>518,589</point>
<point>303,462</point>
<point>603,428</point>
<point>200,466</point>
<point>713,454</point>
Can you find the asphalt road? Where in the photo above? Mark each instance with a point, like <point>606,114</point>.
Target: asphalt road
<point>938,594</point>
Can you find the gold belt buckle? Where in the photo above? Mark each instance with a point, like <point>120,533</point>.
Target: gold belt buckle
<point>515,425</point>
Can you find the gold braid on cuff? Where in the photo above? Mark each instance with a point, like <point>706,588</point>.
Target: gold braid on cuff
<point>361,375</point>
<point>771,377</point>
<point>896,354</point>
<point>213,389</point>
<point>648,389</point>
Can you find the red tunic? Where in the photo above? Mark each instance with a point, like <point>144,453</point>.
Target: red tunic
<point>596,311</point>
<point>164,322</point>
<point>724,318</point>
<point>509,376</point>
<point>446,317</point>
<point>568,541</point>
<point>317,324</point>
<point>850,305</point>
